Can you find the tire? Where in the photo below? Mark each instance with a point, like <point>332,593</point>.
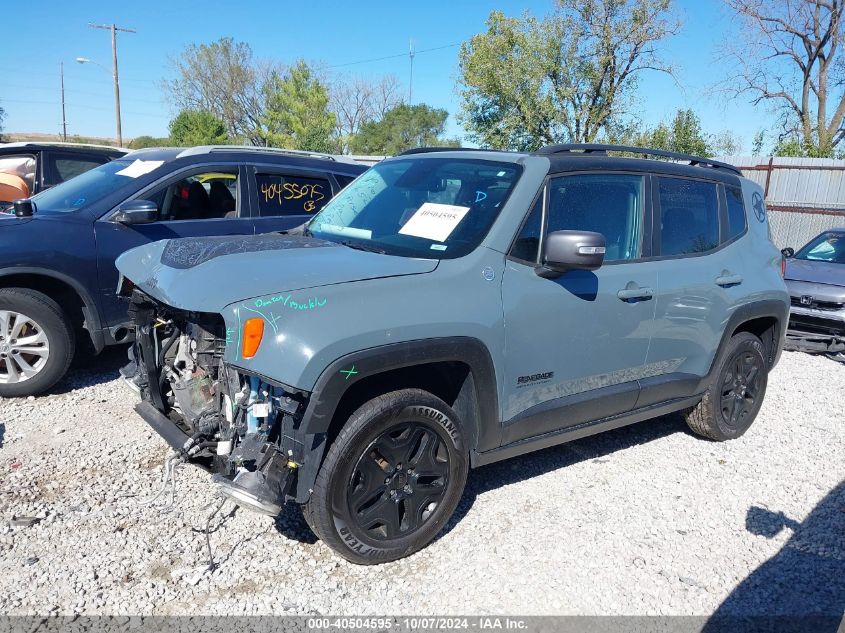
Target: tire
<point>367,504</point>
<point>735,394</point>
<point>50,352</point>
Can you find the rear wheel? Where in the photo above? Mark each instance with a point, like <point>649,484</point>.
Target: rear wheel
<point>391,479</point>
<point>735,395</point>
<point>36,342</point>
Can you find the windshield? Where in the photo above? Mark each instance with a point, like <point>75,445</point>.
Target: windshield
<point>419,207</point>
<point>828,247</point>
<point>91,186</point>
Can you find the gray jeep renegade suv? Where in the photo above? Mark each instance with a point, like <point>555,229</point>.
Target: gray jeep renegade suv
<point>449,309</point>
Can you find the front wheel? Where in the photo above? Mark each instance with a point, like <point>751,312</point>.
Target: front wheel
<point>36,342</point>
<point>391,479</point>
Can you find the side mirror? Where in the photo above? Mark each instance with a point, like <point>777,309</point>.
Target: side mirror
<point>24,208</point>
<point>572,250</point>
<point>136,212</point>
<point>787,252</point>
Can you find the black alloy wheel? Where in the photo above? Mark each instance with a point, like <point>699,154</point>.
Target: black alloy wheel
<point>399,481</point>
<point>391,479</point>
<point>740,388</point>
<point>734,392</point>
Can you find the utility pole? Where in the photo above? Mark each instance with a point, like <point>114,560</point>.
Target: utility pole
<point>64,120</point>
<point>411,82</point>
<point>114,29</point>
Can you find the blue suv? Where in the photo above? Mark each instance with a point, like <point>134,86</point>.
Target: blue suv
<point>57,273</point>
<point>450,309</point>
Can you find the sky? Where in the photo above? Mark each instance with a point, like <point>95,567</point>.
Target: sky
<point>346,37</point>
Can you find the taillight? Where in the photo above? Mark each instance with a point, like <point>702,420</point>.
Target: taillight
<point>253,332</point>
<point>782,266</point>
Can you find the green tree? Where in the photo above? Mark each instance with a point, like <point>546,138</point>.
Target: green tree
<point>527,82</point>
<point>687,136</point>
<point>140,142</point>
<point>2,118</point>
<point>757,143</point>
<point>297,114</point>
<point>684,134</point>
<point>789,146</point>
<point>197,127</point>
<point>724,143</point>
<point>403,127</point>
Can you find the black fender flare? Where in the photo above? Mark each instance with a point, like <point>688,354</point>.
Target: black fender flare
<point>336,379</point>
<point>89,306</point>
<point>766,308</point>
<point>483,432</point>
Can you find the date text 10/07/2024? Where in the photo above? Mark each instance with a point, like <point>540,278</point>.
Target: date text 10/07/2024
<point>419,623</point>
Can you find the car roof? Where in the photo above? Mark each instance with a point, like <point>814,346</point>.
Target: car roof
<point>591,156</point>
<point>298,158</point>
<point>82,147</point>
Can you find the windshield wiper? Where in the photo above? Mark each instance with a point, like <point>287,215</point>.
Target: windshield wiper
<point>363,247</point>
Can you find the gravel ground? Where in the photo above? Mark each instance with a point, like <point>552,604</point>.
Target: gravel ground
<point>643,520</point>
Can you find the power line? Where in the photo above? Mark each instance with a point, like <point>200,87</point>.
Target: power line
<point>85,107</point>
<point>379,59</point>
<point>78,92</point>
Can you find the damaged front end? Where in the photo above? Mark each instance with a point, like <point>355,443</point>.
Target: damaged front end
<point>243,428</point>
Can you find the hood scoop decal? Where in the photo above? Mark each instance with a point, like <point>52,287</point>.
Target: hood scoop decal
<point>183,254</point>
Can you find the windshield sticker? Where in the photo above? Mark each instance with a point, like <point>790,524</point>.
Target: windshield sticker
<point>434,221</point>
<point>438,247</point>
<point>139,168</point>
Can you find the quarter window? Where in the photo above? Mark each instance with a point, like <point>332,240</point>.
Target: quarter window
<point>689,215</point>
<point>528,241</point>
<point>610,204</point>
<point>61,167</point>
<point>291,195</point>
<point>736,212</point>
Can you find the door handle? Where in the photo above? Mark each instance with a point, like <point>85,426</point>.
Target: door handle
<point>627,294</point>
<point>726,279</point>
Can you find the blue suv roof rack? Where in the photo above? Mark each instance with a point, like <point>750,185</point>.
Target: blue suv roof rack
<point>600,148</point>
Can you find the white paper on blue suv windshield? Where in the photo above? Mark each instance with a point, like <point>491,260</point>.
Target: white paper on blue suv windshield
<point>139,168</point>
<point>434,221</point>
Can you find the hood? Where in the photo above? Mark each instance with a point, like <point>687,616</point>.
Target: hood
<point>206,274</point>
<point>815,272</point>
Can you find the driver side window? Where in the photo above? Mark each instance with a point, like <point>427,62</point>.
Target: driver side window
<point>610,204</point>
<point>205,195</point>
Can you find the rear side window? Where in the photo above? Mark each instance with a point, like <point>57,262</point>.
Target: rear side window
<point>61,167</point>
<point>689,216</point>
<point>291,195</point>
<point>610,204</point>
<point>736,212</point>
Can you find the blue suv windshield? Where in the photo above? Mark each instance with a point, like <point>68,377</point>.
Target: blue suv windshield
<point>419,207</point>
<point>82,190</point>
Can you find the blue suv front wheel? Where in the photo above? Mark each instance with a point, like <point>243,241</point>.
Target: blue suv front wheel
<point>36,342</point>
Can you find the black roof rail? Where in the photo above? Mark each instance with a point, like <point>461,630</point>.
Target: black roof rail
<point>600,148</point>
